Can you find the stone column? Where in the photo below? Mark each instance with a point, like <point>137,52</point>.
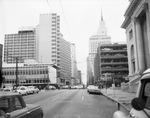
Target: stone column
<point>148,29</point>
<point>140,49</point>
<point>135,45</point>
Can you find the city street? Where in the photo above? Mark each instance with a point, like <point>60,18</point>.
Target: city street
<point>72,104</point>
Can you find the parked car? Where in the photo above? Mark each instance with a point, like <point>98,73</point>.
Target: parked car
<point>17,108</point>
<point>33,89</point>
<point>52,87</point>
<point>22,90</point>
<point>7,90</point>
<point>93,89</point>
<point>141,103</point>
<point>65,87</point>
<point>30,89</point>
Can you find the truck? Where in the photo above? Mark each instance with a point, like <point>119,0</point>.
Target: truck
<point>12,105</point>
<point>141,103</point>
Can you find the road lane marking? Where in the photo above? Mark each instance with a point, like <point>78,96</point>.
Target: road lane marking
<point>78,116</point>
<point>82,97</point>
<point>55,98</point>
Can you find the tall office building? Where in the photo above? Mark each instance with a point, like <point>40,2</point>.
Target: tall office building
<point>22,45</point>
<point>49,35</point>
<point>64,61</point>
<point>53,48</point>
<point>73,65</point>
<point>100,38</point>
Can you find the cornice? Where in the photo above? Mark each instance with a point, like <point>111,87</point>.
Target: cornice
<point>131,7</point>
<point>130,10</point>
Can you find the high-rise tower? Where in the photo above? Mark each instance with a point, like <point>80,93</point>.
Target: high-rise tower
<point>100,38</point>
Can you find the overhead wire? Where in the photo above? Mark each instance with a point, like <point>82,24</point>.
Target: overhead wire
<point>67,27</point>
<point>49,6</point>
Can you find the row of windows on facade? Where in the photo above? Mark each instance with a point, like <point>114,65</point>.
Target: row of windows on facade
<point>25,72</point>
<point>20,45</point>
<point>25,48</point>
<point>13,42</point>
<point>114,60</point>
<point>20,35</point>
<point>19,48</point>
<point>21,51</point>
<point>12,81</point>
<point>22,56</point>
<point>19,41</point>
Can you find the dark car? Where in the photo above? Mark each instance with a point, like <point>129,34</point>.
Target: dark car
<point>13,105</point>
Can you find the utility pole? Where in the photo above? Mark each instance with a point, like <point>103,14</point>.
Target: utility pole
<point>17,82</point>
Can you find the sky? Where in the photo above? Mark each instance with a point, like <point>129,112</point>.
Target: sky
<point>79,19</point>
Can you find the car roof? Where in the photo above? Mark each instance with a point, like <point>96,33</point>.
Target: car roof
<point>146,74</point>
<point>6,94</point>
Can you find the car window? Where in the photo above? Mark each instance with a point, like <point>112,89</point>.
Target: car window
<point>22,88</point>
<point>4,105</point>
<point>147,95</point>
<point>15,104</point>
<point>3,102</point>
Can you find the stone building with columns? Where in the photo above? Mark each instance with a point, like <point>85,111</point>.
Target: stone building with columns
<point>137,25</point>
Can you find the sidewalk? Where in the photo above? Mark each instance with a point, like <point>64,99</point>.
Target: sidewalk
<point>118,95</point>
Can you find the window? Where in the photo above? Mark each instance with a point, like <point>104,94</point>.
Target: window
<point>130,34</point>
<point>16,104</point>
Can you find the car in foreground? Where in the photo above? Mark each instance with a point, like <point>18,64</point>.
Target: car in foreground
<point>141,103</point>
<point>13,106</point>
<point>93,89</point>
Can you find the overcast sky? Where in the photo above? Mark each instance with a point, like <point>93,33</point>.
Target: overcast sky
<point>79,19</point>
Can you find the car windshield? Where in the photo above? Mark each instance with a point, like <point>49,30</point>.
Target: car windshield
<point>54,51</point>
<point>22,88</point>
<point>146,95</point>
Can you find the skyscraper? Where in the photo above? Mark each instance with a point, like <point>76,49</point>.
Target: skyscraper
<point>53,48</point>
<point>73,65</point>
<point>100,38</point>
<point>22,45</point>
<point>49,31</point>
<point>64,61</point>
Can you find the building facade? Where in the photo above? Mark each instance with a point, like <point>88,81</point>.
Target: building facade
<point>100,38</point>
<point>39,75</point>
<point>65,62</point>
<point>111,64</point>
<point>90,76</point>
<point>49,38</point>
<point>79,77</point>
<point>53,48</point>
<point>21,45</point>
<point>1,56</point>
<point>137,25</point>
<point>73,65</point>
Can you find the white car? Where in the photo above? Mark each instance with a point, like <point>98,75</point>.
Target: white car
<point>93,89</point>
<point>34,89</point>
<point>22,90</point>
<point>30,89</point>
<point>7,90</point>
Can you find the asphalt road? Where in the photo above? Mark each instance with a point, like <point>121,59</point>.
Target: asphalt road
<point>72,104</point>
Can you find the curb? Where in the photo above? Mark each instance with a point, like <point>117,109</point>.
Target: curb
<point>119,104</point>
